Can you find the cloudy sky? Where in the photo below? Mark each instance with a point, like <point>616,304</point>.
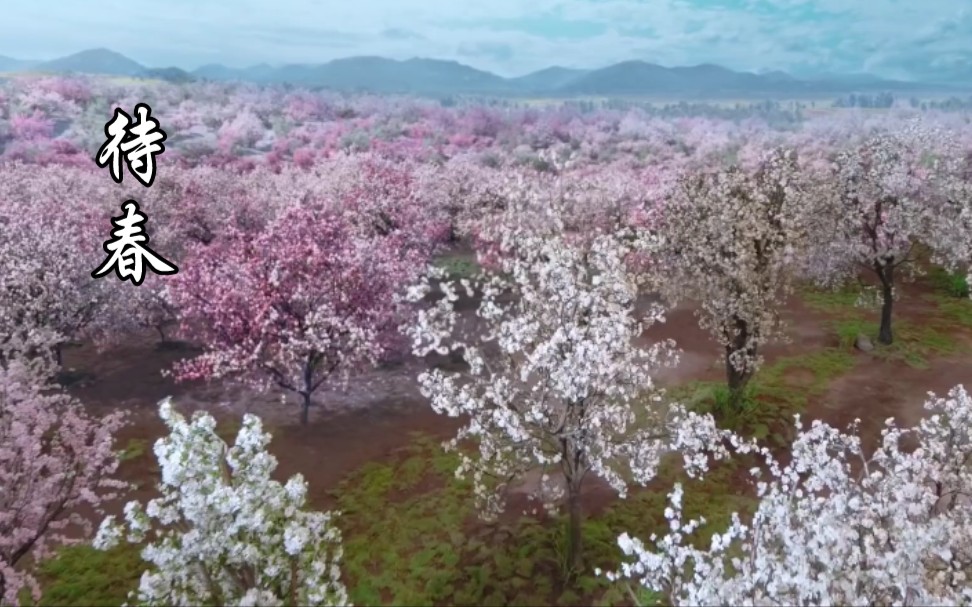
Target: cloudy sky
<point>908,39</point>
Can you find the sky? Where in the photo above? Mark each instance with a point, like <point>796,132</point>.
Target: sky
<point>904,39</point>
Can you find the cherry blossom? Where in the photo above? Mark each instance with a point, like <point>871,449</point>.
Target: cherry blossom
<point>303,302</point>
<point>879,205</point>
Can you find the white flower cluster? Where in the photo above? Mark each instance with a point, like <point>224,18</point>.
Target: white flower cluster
<point>555,377</point>
<point>223,531</point>
<point>835,527</point>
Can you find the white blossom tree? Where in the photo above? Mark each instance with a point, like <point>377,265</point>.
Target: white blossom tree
<point>883,199</point>
<point>554,379</point>
<point>731,238</point>
<point>835,526</point>
<point>224,532</point>
<point>952,219</point>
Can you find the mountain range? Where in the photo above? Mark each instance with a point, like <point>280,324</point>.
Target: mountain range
<point>440,77</point>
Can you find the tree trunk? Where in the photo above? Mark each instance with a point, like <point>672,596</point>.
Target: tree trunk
<point>161,332</point>
<point>58,355</point>
<point>886,274</point>
<point>736,379</point>
<point>305,408</point>
<point>306,392</point>
<point>573,526</point>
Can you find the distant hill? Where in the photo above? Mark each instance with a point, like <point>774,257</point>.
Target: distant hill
<point>375,74</point>
<point>440,77</point>
<point>93,61</point>
<point>547,79</point>
<point>9,64</point>
<point>707,80</point>
<point>215,71</point>
<point>169,74</point>
<point>642,78</point>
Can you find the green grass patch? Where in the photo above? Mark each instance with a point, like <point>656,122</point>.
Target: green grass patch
<point>778,392</point>
<point>412,536</point>
<point>837,302</point>
<point>913,344</point>
<point>134,449</point>
<point>458,265</point>
<point>714,498</point>
<point>948,283</point>
<point>952,311</point>
<point>81,575</point>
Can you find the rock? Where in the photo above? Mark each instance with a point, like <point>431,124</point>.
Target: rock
<point>863,343</point>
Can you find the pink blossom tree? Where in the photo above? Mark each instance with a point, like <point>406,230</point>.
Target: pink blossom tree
<point>243,131</point>
<point>300,303</point>
<point>54,459</point>
<point>47,295</point>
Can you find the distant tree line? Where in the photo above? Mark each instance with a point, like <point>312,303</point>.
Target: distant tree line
<point>774,112</point>
<point>887,100</point>
<point>879,100</point>
<point>950,104</point>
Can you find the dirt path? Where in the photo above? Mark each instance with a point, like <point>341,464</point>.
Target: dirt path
<point>877,390</point>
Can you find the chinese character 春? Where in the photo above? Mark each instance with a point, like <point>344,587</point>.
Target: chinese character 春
<point>139,143</point>
<point>129,248</point>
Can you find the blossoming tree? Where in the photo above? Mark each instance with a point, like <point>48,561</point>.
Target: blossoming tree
<point>54,459</point>
<point>302,302</point>
<point>554,380</point>
<point>836,526</point>
<point>952,220</point>
<point>730,240</point>
<point>224,532</point>
<point>47,296</point>
<point>880,205</point>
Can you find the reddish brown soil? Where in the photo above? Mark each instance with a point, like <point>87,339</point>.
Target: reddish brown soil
<point>877,390</point>
<point>339,438</point>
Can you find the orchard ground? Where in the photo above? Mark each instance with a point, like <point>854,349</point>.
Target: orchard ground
<point>410,529</point>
